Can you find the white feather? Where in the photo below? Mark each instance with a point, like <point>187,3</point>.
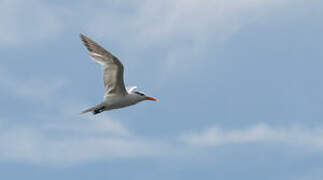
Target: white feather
<point>131,88</point>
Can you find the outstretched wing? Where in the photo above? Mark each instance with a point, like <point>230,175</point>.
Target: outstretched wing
<point>112,67</point>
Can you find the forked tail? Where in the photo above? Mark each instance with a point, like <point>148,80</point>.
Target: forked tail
<point>95,109</point>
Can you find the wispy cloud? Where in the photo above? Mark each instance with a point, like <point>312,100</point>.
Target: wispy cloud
<point>24,22</point>
<point>74,141</point>
<point>71,140</point>
<point>60,135</point>
<point>191,20</point>
<point>42,88</point>
<point>191,25</point>
<point>64,138</point>
<point>260,133</point>
<point>190,28</point>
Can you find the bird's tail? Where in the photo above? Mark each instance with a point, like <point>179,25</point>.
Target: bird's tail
<point>95,109</point>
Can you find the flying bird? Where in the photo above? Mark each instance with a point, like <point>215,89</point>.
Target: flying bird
<point>116,94</point>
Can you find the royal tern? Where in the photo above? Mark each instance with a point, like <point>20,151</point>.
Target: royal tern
<point>116,94</point>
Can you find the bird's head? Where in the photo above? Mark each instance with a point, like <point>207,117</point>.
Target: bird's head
<point>143,97</point>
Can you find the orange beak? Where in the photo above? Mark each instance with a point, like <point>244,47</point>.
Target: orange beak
<point>151,98</point>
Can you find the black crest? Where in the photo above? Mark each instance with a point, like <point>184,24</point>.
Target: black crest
<point>139,93</point>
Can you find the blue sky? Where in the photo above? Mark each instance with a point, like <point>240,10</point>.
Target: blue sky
<point>239,83</point>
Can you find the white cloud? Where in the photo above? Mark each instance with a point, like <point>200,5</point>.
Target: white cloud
<point>261,133</point>
<point>25,21</point>
<point>62,136</point>
<point>189,28</point>
<point>189,19</point>
<point>43,88</point>
<point>95,126</point>
<point>67,142</point>
<point>186,26</point>
<point>81,140</point>
<point>141,23</point>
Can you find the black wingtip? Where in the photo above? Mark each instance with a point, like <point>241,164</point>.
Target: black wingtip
<point>82,36</point>
<point>85,41</point>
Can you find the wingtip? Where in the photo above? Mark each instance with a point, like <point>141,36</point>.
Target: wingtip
<point>82,36</point>
<point>85,41</point>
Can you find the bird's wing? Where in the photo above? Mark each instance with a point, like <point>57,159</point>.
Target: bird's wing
<point>112,67</point>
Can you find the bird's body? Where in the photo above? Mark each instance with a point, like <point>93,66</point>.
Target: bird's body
<point>116,95</point>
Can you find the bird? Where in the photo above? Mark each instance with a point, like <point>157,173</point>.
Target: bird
<point>116,94</point>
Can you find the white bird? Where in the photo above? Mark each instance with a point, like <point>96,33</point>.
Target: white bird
<point>116,95</point>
